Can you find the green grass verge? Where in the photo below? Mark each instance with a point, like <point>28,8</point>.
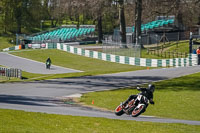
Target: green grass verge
<point>4,42</point>
<point>177,98</point>
<point>181,47</point>
<point>23,122</point>
<point>144,54</point>
<point>61,58</point>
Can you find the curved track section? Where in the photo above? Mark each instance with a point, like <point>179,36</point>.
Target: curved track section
<point>44,96</point>
<point>31,65</point>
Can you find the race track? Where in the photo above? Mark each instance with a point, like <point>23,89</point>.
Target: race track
<point>31,66</point>
<point>44,96</point>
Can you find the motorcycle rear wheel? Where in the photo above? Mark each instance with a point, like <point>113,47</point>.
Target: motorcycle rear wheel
<point>119,110</point>
<point>137,111</point>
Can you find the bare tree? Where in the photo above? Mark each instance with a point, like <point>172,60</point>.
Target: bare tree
<point>98,9</point>
<point>138,21</point>
<point>122,21</point>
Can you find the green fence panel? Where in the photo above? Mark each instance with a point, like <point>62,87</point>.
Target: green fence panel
<point>137,61</point>
<point>190,59</point>
<point>68,48</point>
<point>55,45</point>
<point>117,59</point>
<point>185,62</point>
<point>174,62</point>
<point>148,62</point>
<point>167,63</point>
<point>100,55</point>
<point>76,50</point>
<point>87,42</point>
<point>108,57</point>
<point>179,62</point>
<point>159,63</point>
<point>83,52</point>
<point>12,48</point>
<point>26,46</point>
<point>127,60</point>
<point>61,46</point>
<point>50,45</point>
<point>91,54</point>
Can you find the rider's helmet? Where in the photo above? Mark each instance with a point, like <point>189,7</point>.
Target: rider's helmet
<point>151,88</point>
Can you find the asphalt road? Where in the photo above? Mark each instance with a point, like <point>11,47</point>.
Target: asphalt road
<point>30,65</point>
<point>44,96</point>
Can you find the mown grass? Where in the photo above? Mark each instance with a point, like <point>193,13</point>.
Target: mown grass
<point>6,79</point>
<point>176,98</point>
<point>181,47</point>
<point>89,66</point>
<point>144,54</point>
<point>4,42</point>
<point>182,94</point>
<point>23,122</point>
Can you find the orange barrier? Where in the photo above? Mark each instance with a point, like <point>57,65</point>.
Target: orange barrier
<point>20,46</point>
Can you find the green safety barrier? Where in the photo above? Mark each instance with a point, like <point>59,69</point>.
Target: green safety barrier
<point>176,62</point>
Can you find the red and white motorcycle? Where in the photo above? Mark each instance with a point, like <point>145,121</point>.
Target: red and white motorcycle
<point>134,107</point>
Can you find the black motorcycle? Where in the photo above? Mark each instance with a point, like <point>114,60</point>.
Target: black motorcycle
<point>48,65</point>
<point>135,107</point>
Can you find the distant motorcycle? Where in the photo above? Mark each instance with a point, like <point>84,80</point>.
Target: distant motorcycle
<point>48,65</point>
<point>135,107</point>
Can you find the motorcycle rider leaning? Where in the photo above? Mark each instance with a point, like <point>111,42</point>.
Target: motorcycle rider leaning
<point>147,92</point>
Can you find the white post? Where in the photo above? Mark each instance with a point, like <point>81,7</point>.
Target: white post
<point>199,30</point>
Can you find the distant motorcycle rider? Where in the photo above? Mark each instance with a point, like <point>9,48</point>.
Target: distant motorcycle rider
<point>147,92</point>
<point>48,63</point>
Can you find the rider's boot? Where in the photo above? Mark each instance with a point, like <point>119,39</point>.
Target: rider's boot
<point>124,105</point>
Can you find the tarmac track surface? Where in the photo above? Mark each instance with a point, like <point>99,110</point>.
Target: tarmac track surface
<point>45,96</point>
<point>30,65</point>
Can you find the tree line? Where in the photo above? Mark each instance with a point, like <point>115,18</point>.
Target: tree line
<point>18,16</point>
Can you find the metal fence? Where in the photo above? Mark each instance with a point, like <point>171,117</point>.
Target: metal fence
<point>10,73</point>
<point>118,48</point>
<point>150,37</point>
<point>156,38</point>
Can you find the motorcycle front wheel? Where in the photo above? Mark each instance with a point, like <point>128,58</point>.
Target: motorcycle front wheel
<point>119,110</point>
<point>137,111</point>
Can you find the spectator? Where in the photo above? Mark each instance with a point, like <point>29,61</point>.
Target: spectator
<point>194,51</point>
<point>198,54</point>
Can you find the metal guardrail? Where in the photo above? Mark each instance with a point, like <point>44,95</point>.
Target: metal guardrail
<point>123,49</point>
<point>195,36</point>
<point>10,72</point>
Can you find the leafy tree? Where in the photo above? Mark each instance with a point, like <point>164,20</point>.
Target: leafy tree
<point>18,14</point>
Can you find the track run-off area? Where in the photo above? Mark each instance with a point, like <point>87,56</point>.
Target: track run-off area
<point>45,96</point>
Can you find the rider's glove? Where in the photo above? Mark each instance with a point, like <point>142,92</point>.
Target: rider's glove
<point>152,102</point>
<point>138,88</point>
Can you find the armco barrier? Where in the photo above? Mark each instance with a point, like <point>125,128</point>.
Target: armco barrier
<point>176,62</point>
<point>10,72</point>
<point>191,60</point>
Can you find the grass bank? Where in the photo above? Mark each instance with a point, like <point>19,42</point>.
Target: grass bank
<point>176,98</point>
<point>4,42</point>
<point>23,122</point>
<point>181,47</point>
<point>88,65</point>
